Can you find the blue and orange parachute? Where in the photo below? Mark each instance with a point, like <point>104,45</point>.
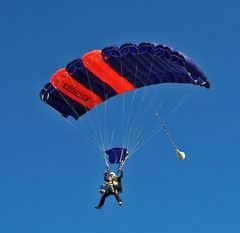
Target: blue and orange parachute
<point>102,74</point>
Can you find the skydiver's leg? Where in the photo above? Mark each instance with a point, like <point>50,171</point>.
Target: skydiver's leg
<point>119,200</point>
<point>103,198</point>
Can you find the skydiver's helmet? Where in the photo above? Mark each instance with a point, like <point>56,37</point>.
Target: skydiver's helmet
<point>112,174</point>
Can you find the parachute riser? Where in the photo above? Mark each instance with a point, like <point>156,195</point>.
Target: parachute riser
<point>120,166</point>
<point>106,162</point>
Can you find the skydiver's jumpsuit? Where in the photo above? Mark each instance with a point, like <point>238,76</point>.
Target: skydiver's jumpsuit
<point>113,188</point>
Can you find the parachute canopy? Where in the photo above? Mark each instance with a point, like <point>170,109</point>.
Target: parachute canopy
<point>102,74</point>
<point>116,155</point>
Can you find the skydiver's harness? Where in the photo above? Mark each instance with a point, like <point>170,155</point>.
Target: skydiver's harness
<point>114,186</point>
<point>111,185</point>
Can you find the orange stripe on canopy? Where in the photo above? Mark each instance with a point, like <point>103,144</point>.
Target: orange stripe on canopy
<point>94,62</point>
<point>62,81</point>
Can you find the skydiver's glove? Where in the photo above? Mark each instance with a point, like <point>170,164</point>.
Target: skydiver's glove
<point>102,191</point>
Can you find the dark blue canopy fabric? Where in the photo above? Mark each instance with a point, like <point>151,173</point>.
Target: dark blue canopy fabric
<point>116,155</point>
<point>148,64</point>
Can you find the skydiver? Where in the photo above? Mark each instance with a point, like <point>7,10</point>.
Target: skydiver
<point>112,186</point>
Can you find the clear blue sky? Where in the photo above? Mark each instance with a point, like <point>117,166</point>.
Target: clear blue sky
<point>49,176</point>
